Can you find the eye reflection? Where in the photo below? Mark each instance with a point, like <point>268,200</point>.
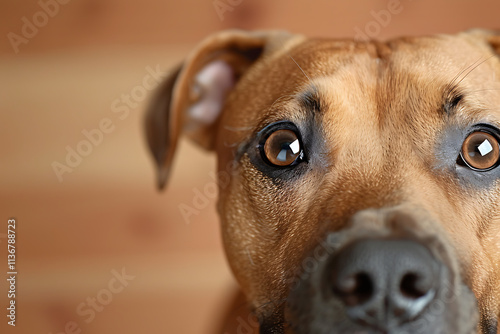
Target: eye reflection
<point>282,148</point>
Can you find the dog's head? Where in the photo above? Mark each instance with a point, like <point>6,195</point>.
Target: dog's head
<point>359,181</point>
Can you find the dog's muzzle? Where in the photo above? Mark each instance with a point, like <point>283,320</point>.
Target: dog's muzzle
<point>382,280</point>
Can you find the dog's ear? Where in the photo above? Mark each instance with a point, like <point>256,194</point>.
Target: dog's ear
<point>493,39</point>
<point>193,95</point>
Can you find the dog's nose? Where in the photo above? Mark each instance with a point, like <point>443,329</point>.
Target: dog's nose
<point>383,282</point>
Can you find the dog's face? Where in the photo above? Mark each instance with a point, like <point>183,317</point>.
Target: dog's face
<point>359,181</point>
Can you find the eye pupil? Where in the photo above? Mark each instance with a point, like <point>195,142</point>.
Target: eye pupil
<point>282,148</point>
<point>481,151</point>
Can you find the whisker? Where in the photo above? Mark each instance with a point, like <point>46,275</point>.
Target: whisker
<point>301,69</point>
<point>484,90</point>
<point>451,84</point>
<point>472,69</point>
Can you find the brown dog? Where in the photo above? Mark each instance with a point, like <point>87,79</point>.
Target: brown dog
<point>365,179</point>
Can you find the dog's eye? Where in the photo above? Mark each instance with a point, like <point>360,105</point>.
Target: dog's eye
<point>481,151</point>
<point>282,148</point>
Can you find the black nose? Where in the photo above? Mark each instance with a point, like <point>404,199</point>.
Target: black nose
<point>383,282</point>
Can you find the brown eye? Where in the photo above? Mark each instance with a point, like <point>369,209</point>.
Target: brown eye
<point>282,148</point>
<point>480,151</point>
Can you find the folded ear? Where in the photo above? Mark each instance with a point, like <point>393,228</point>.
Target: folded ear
<point>193,96</point>
<point>494,40</point>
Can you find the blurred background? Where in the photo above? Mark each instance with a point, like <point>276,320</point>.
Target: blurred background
<point>75,77</point>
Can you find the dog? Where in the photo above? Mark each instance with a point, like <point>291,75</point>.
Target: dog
<point>363,176</point>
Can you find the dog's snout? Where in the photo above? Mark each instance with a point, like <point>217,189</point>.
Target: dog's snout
<point>383,281</point>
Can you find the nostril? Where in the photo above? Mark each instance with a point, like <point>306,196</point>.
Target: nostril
<point>355,289</point>
<point>413,286</point>
<point>382,282</point>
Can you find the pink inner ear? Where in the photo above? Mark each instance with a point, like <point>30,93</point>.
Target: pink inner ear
<point>215,81</point>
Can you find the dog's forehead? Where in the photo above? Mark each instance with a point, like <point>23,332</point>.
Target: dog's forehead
<point>382,72</point>
<point>353,74</point>
<point>439,56</point>
<point>369,87</point>
<point>406,84</point>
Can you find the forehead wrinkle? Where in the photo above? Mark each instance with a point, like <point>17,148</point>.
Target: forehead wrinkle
<point>348,117</point>
<point>310,99</point>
